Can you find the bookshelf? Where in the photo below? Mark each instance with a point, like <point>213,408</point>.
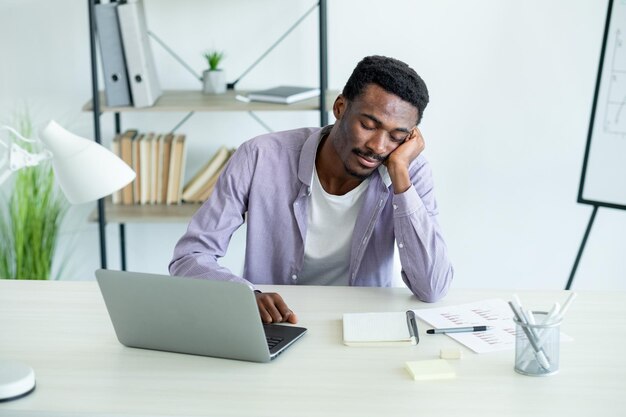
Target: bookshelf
<point>195,101</point>
<point>147,213</point>
<point>186,101</point>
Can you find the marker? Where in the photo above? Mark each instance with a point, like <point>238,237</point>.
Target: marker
<point>568,302</point>
<point>459,329</point>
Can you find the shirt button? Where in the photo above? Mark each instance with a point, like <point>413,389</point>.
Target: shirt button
<point>395,207</point>
<point>400,245</point>
<point>294,277</point>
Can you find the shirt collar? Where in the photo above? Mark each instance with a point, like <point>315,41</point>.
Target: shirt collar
<point>307,157</point>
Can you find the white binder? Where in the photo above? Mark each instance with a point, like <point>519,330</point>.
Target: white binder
<point>144,82</point>
<point>116,87</point>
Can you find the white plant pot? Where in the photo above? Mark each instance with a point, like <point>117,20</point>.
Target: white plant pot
<point>214,82</point>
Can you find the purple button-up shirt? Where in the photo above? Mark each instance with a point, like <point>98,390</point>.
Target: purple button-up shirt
<point>267,183</point>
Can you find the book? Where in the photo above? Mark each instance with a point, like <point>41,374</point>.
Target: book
<point>207,190</point>
<point>176,170</point>
<point>142,74</point>
<point>379,329</point>
<point>146,168</point>
<point>284,94</point>
<point>126,152</point>
<point>154,155</point>
<point>137,168</point>
<point>204,175</point>
<point>165,170</point>
<point>116,197</point>
<point>116,85</point>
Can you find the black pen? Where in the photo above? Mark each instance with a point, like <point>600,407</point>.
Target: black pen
<point>459,329</point>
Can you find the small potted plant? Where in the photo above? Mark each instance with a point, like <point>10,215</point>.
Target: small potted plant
<point>214,78</point>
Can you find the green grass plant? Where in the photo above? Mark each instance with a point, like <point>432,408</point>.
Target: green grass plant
<point>213,59</point>
<point>30,219</point>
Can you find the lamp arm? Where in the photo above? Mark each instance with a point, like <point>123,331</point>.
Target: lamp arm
<point>19,157</point>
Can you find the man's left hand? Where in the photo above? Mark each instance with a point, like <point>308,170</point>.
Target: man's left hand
<point>399,160</point>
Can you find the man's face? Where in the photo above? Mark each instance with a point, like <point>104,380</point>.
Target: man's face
<point>371,127</point>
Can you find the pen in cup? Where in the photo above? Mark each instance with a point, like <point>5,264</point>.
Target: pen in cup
<point>542,359</point>
<point>555,314</point>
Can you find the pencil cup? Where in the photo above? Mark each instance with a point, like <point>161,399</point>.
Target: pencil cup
<point>537,346</point>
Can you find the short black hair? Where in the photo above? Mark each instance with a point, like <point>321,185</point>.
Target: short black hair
<point>393,76</point>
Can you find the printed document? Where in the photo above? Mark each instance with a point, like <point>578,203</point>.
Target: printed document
<point>493,312</point>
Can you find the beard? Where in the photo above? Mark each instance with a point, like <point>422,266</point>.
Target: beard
<point>368,155</point>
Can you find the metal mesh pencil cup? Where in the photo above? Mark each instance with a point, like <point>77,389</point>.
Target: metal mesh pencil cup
<point>537,346</point>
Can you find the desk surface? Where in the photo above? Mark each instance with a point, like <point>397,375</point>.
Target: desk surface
<point>63,331</point>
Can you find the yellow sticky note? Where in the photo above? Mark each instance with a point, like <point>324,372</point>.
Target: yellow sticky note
<point>430,369</point>
<point>450,353</point>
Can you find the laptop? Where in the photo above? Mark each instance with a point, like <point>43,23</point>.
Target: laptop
<point>190,315</point>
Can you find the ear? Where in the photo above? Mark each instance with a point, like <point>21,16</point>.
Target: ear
<point>339,107</point>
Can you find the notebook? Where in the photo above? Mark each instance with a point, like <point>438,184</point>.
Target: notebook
<point>284,94</point>
<point>380,329</point>
<point>190,315</point>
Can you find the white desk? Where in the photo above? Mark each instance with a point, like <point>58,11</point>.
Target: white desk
<point>63,331</point>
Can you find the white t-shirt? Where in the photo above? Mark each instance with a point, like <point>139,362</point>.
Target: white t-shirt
<point>331,220</point>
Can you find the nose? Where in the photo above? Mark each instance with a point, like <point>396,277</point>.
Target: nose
<point>377,142</point>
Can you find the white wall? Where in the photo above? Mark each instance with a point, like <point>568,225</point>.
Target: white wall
<point>511,87</point>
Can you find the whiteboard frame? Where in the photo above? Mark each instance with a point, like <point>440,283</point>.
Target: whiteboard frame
<point>581,188</point>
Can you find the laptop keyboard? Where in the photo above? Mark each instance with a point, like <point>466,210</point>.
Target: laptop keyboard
<point>273,341</point>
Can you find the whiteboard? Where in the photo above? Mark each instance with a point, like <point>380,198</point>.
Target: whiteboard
<point>603,180</point>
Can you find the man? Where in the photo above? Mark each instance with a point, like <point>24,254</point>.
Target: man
<point>324,206</point>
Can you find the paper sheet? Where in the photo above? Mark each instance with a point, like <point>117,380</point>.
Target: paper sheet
<point>493,312</point>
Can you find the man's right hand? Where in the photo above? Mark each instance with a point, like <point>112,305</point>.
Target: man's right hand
<point>273,309</point>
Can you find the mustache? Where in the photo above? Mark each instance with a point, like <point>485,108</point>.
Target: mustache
<point>370,155</point>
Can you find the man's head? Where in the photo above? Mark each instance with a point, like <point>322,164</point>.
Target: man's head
<point>379,109</point>
<point>393,76</point>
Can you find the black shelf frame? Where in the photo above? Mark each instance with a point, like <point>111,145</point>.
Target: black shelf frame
<point>97,113</point>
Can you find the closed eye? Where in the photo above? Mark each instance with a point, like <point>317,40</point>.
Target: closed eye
<point>400,139</point>
<point>366,127</point>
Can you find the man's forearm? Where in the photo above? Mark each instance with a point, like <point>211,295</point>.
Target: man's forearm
<point>427,270</point>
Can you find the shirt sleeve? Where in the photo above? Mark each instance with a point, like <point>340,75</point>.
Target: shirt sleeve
<point>212,226</point>
<point>426,268</point>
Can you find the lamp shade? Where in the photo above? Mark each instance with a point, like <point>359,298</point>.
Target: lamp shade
<point>84,169</point>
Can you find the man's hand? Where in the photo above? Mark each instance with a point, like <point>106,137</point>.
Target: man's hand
<point>273,309</point>
<point>399,160</point>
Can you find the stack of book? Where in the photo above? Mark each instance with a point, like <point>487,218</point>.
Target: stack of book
<point>200,186</point>
<point>129,72</point>
<point>159,162</point>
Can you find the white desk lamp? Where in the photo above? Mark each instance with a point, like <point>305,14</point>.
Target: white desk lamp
<point>85,171</point>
